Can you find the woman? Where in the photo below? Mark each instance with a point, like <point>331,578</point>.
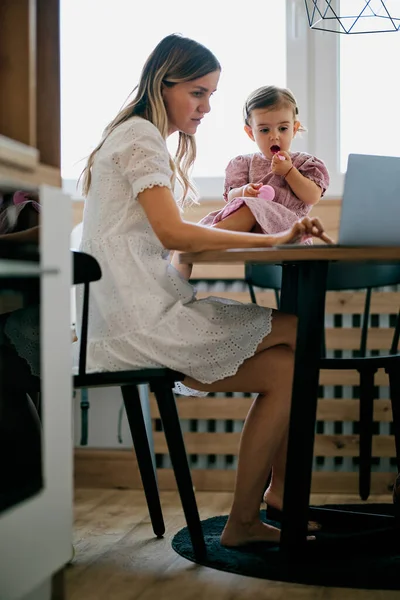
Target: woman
<point>144,314</point>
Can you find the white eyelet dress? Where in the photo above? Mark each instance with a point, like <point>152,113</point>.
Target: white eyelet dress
<point>142,313</point>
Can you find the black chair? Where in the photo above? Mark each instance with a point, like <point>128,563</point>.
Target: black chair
<point>161,381</point>
<point>351,277</point>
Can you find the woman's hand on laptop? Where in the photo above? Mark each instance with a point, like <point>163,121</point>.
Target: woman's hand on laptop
<point>304,227</point>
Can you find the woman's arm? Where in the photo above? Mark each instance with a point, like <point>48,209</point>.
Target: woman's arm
<point>176,234</point>
<point>241,220</point>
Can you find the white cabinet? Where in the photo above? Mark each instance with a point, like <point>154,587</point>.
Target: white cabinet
<point>36,534</point>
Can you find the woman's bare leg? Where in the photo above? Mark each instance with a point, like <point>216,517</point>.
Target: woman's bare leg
<point>284,328</point>
<point>262,434</point>
<point>283,331</point>
<point>274,494</point>
<point>285,325</point>
<point>268,373</point>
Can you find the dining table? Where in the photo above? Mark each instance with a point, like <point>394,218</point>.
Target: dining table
<point>304,278</point>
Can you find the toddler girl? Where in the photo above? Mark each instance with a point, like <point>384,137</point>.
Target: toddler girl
<point>298,180</point>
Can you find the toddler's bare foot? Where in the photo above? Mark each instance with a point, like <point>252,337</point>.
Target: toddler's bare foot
<point>237,534</point>
<point>276,502</point>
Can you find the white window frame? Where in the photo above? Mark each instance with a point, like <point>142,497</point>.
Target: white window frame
<point>313,74</point>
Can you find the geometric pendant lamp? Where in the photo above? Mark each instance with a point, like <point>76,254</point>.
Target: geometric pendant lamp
<point>354,16</point>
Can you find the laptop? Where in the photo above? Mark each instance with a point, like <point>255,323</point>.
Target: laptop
<point>370,214</point>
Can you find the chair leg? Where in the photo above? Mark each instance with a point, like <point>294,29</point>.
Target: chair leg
<point>394,383</point>
<point>252,294</point>
<point>277,299</point>
<point>140,440</point>
<point>366,428</point>
<point>176,446</point>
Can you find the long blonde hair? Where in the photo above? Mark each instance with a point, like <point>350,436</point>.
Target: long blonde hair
<point>174,60</point>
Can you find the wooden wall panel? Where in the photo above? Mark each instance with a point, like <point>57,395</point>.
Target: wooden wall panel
<point>206,443</point>
<point>48,82</point>
<point>30,93</point>
<point>18,70</point>
<point>329,409</point>
<point>118,469</point>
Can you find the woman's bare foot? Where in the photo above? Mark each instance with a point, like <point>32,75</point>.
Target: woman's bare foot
<point>275,501</point>
<point>237,534</point>
<point>271,498</point>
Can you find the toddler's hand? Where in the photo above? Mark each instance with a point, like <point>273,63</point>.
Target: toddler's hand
<point>251,190</point>
<point>279,166</point>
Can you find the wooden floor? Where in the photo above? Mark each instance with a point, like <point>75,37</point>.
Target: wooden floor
<point>118,558</point>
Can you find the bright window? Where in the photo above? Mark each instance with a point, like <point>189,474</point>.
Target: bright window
<point>369,92</point>
<point>104,46</point>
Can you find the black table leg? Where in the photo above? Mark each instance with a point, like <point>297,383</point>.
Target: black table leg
<point>309,279</point>
<point>288,300</point>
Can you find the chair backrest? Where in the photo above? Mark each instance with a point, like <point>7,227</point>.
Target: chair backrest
<point>356,276</point>
<point>341,276</point>
<point>264,276</point>
<point>85,269</point>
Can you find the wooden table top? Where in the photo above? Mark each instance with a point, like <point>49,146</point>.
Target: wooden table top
<point>278,254</point>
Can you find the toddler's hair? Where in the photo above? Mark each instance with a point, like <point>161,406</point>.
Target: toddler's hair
<point>271,97</point>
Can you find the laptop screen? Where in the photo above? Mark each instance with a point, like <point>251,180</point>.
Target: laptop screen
<point>371,201</point>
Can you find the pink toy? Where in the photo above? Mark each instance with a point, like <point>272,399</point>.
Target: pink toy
<point>266,192</point>
<point>275,149</point>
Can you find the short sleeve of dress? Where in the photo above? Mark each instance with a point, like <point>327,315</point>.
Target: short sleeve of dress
<point>313,168</point>
<point>143,157</point>
<point>236,174</point>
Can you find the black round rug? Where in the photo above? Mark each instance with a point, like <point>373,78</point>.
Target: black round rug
<point>341,556</point>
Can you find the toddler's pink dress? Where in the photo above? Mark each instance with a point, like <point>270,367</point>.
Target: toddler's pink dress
<point>279,214</point>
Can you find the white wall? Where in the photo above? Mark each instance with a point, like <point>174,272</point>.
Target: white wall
<point>103,414</point>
